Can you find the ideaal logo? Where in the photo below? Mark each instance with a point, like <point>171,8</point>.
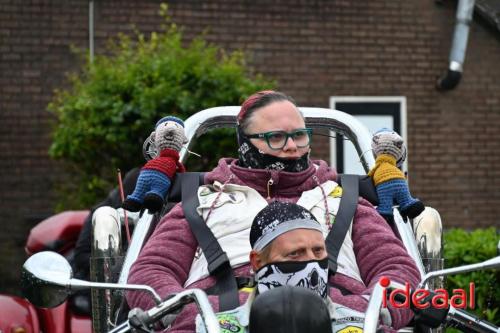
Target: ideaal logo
<point>420,297</point>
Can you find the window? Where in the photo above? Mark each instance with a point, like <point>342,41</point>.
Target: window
<point>375,113</point>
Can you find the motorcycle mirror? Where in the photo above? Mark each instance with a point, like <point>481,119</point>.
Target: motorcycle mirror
<point>47,280</point>
<point>44,279</point>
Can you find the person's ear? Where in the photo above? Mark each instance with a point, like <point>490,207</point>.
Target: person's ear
<point>256,261</point>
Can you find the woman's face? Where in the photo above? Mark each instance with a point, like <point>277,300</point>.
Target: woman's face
<point>277,116</point>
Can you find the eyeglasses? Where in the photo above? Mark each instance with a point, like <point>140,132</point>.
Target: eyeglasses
<point>276,140</point>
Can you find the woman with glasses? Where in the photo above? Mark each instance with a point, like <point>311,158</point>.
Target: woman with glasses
<point>273,165</point>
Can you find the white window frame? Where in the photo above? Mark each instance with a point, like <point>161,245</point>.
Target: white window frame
<point>371,99</point>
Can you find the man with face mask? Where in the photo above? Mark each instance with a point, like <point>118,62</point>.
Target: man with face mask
<point>273,164</point>
<point>288,249</point>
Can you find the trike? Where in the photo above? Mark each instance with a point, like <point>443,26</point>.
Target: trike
<point>108,264</point>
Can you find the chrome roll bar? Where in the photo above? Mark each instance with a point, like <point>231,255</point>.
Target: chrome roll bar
<point>341,122</point>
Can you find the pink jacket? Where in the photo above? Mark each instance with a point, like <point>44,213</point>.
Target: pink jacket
<point>165,261</point>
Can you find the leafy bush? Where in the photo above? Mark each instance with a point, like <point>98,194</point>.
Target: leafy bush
<point>463,248</point>
<point>112,105</point>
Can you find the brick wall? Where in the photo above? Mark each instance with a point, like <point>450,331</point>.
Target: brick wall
<point>315,50</point>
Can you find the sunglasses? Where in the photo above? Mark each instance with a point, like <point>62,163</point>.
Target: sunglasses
<point>276,140</point>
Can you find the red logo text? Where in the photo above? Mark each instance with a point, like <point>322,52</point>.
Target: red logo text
<point>420,297</point>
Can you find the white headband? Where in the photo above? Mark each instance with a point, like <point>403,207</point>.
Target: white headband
<point>281,228</point>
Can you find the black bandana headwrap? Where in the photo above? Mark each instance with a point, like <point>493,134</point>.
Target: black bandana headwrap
<point>251,157</point>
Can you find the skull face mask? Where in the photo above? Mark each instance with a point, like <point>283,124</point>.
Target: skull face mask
<point>311,274</point>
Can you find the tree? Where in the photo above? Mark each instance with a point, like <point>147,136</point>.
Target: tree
<point>112,104</point>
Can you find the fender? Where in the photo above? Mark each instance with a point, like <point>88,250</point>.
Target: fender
<point>61,320</point>
<point>57,233</point>
<point>18,315</point>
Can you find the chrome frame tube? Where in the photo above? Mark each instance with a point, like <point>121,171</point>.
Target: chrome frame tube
<point>77,284</point>
<point>406,234</point>
<point>197,295</point>
<point>493,263</point>
<point>136,243</point>
<point>471,322</point>
<point>374,305</point>
<point>373,310</point>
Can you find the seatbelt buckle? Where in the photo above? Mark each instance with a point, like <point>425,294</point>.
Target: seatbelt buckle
<point>218,264</point>
<point>245,282</point>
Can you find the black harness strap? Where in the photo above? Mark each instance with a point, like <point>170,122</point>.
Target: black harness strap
<point>345,214</point>
<point>218,262</point>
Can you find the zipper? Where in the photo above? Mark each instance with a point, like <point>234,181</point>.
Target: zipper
<point>270,182</point>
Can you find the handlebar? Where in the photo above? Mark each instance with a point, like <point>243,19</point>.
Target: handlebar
<point>461,319</point>
<point>490,263</point>
<point>169,305</point>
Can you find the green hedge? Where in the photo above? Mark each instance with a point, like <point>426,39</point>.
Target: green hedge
<point>462,248</point>
<point>112,104</point>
